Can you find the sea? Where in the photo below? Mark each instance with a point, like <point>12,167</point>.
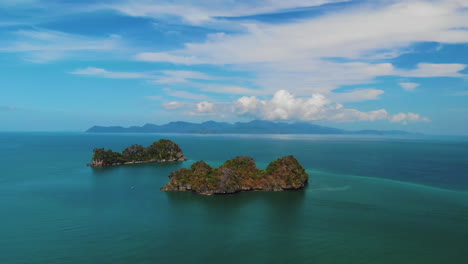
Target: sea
<point>370,199</point>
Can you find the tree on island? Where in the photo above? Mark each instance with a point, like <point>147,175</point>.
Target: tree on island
<point>160,151</point>
<point>239,174</point>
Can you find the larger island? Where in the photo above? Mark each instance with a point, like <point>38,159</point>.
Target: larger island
<point>252,127</point>
<point>239,174</point>
<point>163,150</point>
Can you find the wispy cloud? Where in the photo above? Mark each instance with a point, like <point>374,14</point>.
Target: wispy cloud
<point>175,77</point>
<point>185,94</point>
<point>42,46</point>
<point>322,76</point>
<point>98,72</point>
<point>296,54</point>
<point>356,95</point>
<point>174,105</point>
<point>209,11</point>
<point>434,70</point>
<point>381,29</point>
<point>315,55</point>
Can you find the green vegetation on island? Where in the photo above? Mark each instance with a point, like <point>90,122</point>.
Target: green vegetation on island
<point>163,150</point>
<point>239,174</point>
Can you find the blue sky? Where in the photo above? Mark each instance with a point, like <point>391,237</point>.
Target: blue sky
<point>68,65</point>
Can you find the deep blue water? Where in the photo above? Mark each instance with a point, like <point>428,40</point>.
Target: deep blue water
<point>370,200</point>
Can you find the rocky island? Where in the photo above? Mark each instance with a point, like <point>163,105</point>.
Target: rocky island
<point>237,175</point>
<point>163,150</point>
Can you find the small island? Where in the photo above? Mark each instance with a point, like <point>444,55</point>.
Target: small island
<point>163,150</point>
<point>238,175</point>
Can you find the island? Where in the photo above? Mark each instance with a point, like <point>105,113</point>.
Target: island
<point>238,175</point>
<point>163,150</point>
<point>252,127</point>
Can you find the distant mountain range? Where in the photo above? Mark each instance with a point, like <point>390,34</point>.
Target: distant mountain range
<point>252,127</point>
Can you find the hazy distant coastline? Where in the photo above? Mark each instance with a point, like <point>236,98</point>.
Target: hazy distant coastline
<point>252,127</point>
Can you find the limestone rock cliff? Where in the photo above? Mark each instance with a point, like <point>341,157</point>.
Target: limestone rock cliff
<point>239,174</point>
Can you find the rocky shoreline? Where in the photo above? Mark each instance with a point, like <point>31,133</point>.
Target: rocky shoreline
<point>97,163</point>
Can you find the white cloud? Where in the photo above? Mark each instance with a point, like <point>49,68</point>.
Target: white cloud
<point>293,55</point>
<point>408,117</point>
<point>209,11</point>
<point>434,70</point>
<point>409,86</point>
<point>356,95</point>
<point>227,89</point>
<point>174,77</point>
<point>185,94</point>
<point>321,76</point>
<point>165,57</point>
<point>173,105</point>
<point>285,106</point>
<point>42,46</point>
<point>356,33</point>
<point>160,77</point>
<point>92,71</point>
<point>205,107</point>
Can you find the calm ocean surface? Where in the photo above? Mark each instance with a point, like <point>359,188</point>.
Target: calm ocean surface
<point>370,200</point>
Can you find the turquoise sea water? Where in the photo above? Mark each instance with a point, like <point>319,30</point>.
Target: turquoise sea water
<point>370,200</point>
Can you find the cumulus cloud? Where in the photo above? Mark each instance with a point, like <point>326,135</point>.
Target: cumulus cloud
<point>409,86</point>
<point>285,106</point>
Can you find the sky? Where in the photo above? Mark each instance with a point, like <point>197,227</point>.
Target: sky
<point>352,64</point>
